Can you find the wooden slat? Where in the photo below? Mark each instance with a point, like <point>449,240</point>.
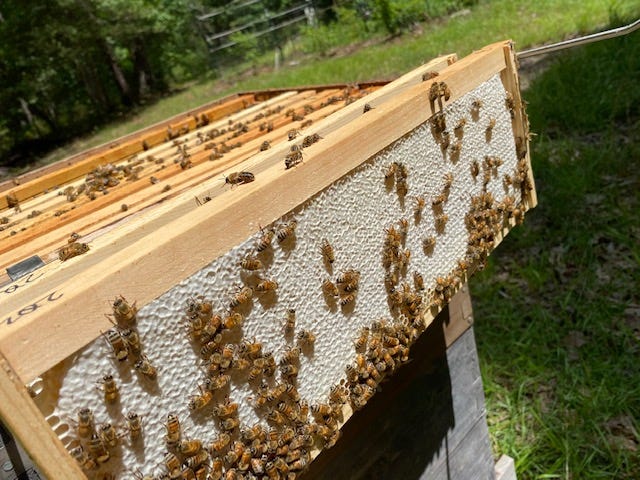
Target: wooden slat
<point>21,416</point>
<point>58,177</point>
<point>174,251</point>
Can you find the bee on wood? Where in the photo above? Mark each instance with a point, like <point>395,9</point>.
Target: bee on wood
<point>144,367</point>
<point>172,437</point>
<point>510,103</point>
<point>327,251</point>
<point>123,312</point>
<point>310,140</point>
<point>329,288</point>
<point>292,159</point>
<point>118,344</point>
<point>290,322</point>
<point>265,239</point>
<point>251,263</point>
<point>85,423</point>
<point>243,296</point>
<point>109,388</point>
<point>428,244</point>
<point>366,108</point>
<point>264,286</point>
<point>286,231</point>
<point>306,337</point>
<point>239,178</point>
<point>266,145</point>
<point>83,459</point>
<point>429,75</point>
<point>189,448</point>
<point>292,134</point>
<point>72,250</point>
<point>219,444</point>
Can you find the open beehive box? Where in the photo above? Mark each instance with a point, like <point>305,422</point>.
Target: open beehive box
<point>253,269</point>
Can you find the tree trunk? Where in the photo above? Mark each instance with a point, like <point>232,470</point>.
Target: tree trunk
<point>126,93</point>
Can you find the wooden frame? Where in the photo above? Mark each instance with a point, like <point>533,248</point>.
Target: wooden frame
<point>36,334</point>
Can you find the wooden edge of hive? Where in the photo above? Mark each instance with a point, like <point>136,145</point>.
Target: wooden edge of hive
<point>45,336</point>
<point>19,247</point>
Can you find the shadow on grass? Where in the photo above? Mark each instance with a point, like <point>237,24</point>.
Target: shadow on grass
<point>558,308</point>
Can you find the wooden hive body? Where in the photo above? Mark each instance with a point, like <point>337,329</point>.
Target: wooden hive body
<point>179,248</point>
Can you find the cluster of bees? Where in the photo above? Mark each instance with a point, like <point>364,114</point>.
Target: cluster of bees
<point>397,172</point>
<point>345,287</point>
<point>294,157</point>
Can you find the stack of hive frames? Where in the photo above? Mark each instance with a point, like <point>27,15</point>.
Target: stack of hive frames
<point>344,191</point>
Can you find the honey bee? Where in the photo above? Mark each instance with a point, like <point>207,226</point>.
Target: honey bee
<point>299,464</point>
<point>339,394</point>
<point>219,444</point>
<point>109,388</point>
<point>266,286</point>
<point>306,337</point>
<point>97,449</point>
<point>83,459</point>
<point>327,251</point>
<point>172,464</point>
<point>72,250</point>
<point>475,169</point>
<point>243,296</point>
<point>310,140</point>
<point>265,240</point>
<point>293,158</point>
<point>290,322</point>
<point>347,299</point>
<point>225,409</point>
<point>448,181</point>
<point>291,355</point>
<point>134,425</point>
<point>292,134</point>
<point>266,145</point>
<point>132,340</point>
<point>197,402</point>
<point>276,417</point>
<point>510,104</point>
<point>477,104</point>
<point>366,108</point>
<point>194,461</point>
<point>85,422</point>
<point>108,435</point>
<point>235,452</point>
<point>250,349</point>
<point>348,277</point>
<point>235,319</point>
<point>144,367</point>
<point>286,231</point>
<point>429,75</point>
<point>419,206</point>
<point>401,187</point>
<point>288,370</point>
<point>188,448</point>
<point>239,178</point>
<point>117,344</point>
<point>441,222</point>
<point>251,263</point>
<point>217,382</point>
<point>458,130</point>
<point>390,171</point>
<point>418,281</point>
<point>329,288</point>
<point>124,313</point>
<point>229,424</point>
<point>488,133</point>
<point>173,431</point>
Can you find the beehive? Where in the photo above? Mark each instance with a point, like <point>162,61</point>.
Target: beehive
<point>455,141</point>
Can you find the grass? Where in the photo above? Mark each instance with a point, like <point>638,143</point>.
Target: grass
<point>527,23</point>
<point>558,307</point>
